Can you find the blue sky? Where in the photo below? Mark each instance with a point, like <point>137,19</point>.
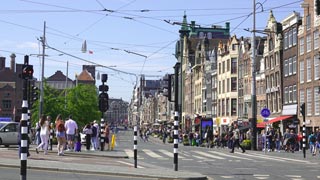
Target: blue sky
<point>120,33</point>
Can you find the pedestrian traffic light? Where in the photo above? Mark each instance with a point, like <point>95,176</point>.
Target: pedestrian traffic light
<point>302,109</point>
<point>27,71</point>
<point>103,102</point>
<point>166,86</point>
<point>34,93</point>
<point>317,5</point>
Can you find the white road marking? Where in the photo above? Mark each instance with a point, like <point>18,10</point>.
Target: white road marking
<point>208,155</point>
<point>199,157</point>
<point>130,154</point>
<point>126,163</point>
<point>262,157</point>
<point>170,154</point>
<point>288,159</point>
<point>228,177</point>
<point>229,155</point>
<point>152,154</point>
<point>293,176</point>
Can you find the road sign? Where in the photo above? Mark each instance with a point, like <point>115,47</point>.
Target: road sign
<point>265,112</point>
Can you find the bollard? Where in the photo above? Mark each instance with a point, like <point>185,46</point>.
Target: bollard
<point>102,136</point>
<point>175,141</point>
<point>135,144</point>
<point>24,134</point>
<point>51,135</point>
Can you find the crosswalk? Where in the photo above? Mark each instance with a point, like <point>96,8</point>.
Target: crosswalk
<point>210,155</point>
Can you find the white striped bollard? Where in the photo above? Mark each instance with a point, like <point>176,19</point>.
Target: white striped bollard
<point>102,136</point>
<point>175,140</point>
<point>24,134</point>
<point>51,135</point>
<point>135,144</point>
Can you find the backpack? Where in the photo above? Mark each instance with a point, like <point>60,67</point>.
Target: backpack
<point>94,131</point>
<point>61,127</point>
<point>313,138</point>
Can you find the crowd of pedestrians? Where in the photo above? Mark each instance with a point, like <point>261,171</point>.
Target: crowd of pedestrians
<point>68,136</point>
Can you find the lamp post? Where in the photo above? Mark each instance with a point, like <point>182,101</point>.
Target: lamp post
<point>253,86</point>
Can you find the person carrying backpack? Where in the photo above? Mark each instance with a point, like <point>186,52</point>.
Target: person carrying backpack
<point>94,137</point>
<point>312,141</point>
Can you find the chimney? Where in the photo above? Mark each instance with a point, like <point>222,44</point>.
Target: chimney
<point>2,63</point>
<point>13,62</point>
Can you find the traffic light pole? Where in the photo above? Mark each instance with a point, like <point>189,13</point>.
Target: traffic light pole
<point>176,117</point>
<point>303,111</point>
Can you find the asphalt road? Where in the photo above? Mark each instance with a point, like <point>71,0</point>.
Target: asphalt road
<point>14,174</point>
<point>220,164</point>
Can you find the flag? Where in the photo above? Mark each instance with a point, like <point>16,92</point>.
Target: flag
<point>90,52</point>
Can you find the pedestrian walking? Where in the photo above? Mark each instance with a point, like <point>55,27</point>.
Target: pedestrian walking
<point>44,135</point>
<point>107,134</point>
<point>87,130</point>
<point>278,137</point>
<point>235,137</point>
<point>38,128</point>
<point>60,134</point>
<point>94,136</point>
<point>95,124</point>
<point>312,143</point>
<point>71,129</point>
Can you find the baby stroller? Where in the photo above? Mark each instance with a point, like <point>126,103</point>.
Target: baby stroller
<point>289,144</point>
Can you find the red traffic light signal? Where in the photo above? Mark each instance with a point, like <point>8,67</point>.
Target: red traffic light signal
<point>27,71</point>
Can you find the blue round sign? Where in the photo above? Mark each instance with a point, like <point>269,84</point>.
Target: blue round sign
<point>265,112</point>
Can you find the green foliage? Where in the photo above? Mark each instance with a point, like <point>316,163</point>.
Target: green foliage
<point>80,101</point>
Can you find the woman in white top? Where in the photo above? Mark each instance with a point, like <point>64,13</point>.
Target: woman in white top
<point>44,135</point>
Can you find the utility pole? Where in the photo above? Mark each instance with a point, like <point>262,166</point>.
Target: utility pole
<point>43,40</point>
<point>253,86</point>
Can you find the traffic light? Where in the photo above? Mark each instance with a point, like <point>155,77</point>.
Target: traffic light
<point>166,86</point>
<point>303,109</point>
<point>27,71</point>
<point>103,102</point>
<point>317,5</point>
<point>34,93</point>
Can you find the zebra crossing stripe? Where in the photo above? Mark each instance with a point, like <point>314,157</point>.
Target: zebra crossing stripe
<point>208,155</point>
<point>126,163</point>
<point>170,154</point>
<point>287,159</point>
<point>152,154</point>
<point>228,155</point>
<point>130,153</point>
<point>261,157</point>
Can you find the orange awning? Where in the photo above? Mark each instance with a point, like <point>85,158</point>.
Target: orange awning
<point>280,118</point>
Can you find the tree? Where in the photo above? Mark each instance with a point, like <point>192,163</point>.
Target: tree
<point>81,102</point>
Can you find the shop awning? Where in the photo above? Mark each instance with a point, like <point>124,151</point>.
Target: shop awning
<point>277,119</point>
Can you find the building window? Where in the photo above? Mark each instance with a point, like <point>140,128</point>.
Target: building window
<point>294,36</point>
<point>233,65</point>
<point>286,95</point>
<point>219,68</point>
<point>316,100</point>
<point>301,42</point>
<point>233,107</point>
<point>228,65</point>
<point>271,62</point>
<point>223,66</point>
<point>301,71</point>
<point>316,67</point>
<point>223,86</point>
<point>286,40</point>
<point>301,96</point>
<point>294,93</point>
<point>290,38</point>
<point>227,107</point>
<point>309,102</point>
<point>277,58</point>
<point>228,85</point>
<point>234,84</point>
<point>290,95</point>
<point>309,69</point>
<point>308,43</point>
<point>294,65</point>
<point>316,39</point>
<point>6,104</point>
<point>290,66</point>
<point>308,21</point>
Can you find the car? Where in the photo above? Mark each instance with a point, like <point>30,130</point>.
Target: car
<point>9,132</point>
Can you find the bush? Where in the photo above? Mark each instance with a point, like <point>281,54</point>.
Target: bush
<point>170,139</point>
<point>246,144</point>
<point>186,141</point>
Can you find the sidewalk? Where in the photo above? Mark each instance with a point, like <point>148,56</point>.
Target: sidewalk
<point>107,169</point>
